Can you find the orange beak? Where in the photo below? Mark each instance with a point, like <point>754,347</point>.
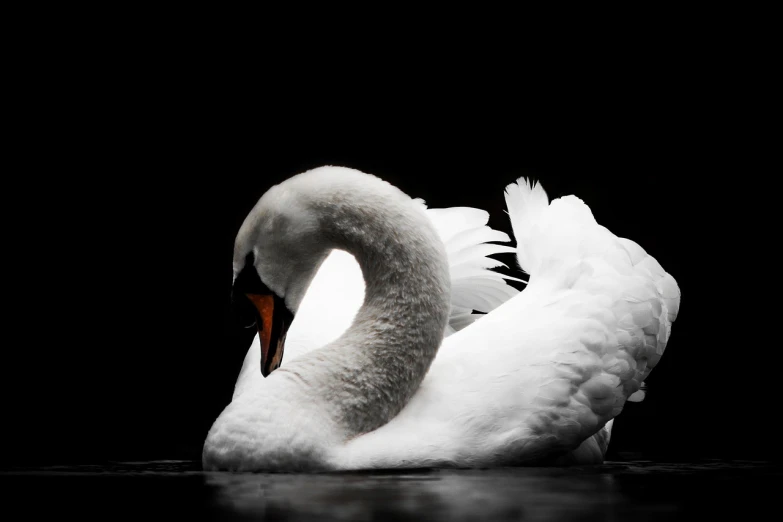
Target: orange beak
<point>272,323</point>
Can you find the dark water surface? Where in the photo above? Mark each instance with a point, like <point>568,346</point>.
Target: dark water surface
<point>179,490</point>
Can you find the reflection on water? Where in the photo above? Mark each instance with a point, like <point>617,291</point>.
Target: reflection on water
<point>461,495</point>
<point>636,491</point>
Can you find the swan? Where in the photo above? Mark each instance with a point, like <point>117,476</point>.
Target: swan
<point>537,380</point>
<point>337,289</point>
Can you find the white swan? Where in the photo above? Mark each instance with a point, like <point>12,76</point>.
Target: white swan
<point>534,381</point>
<point>337,290</point>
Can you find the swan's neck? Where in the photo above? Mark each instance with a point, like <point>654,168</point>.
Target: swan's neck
<point>296,417</point>
<point>366,376</point>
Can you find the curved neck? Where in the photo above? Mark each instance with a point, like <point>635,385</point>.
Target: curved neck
<point>366,376</point>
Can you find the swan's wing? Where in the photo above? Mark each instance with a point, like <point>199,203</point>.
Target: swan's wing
<point>608,307</point>
<point>548,369</point>
<point>590,327</point>
<point>474,285</point>
<point>337,290</point>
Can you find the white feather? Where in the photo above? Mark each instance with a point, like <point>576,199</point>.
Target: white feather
<point>544,374</point>
<point>539,379</point>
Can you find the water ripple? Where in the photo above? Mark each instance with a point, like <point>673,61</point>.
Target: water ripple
<point>632,490</point>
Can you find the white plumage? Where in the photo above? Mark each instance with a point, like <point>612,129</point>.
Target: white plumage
<point>537,380</point>
<point>337,290</point>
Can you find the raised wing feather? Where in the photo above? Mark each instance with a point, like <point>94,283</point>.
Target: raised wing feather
<point>474,286</point>
<point>616,305</point>
<point>540,378</point>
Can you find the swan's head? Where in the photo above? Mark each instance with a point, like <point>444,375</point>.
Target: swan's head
<point>276,254</point>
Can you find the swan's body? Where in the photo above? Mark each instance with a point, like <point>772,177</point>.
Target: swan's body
<point>535,380</point>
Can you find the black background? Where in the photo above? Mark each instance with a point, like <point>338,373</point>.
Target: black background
<point>137,167</point>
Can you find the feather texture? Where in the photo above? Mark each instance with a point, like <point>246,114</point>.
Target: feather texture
<point>619,300</point>
<point>474,286</point>
<point>540,378</point>
<point>537,380</point>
